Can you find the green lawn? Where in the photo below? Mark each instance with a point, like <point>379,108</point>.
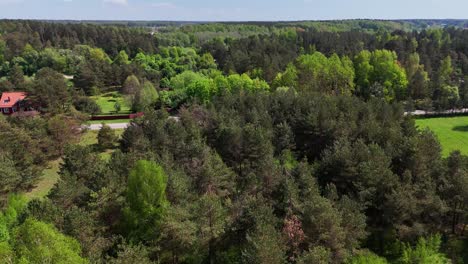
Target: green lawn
<point>451,131</point>
<point>107,101</point>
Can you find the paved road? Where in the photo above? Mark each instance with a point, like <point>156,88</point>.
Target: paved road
<point>120,125</point>
<point>113,126</point>
<point>445,112</point>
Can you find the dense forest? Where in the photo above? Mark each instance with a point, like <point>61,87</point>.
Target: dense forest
<point>285,142</point>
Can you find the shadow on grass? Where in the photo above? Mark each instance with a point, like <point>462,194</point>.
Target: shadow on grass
<point>461,128</point>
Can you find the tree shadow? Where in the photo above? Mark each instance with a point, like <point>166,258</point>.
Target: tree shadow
<point>461,128</point>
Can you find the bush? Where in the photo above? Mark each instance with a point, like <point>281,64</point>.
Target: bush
<point>106,137</point>
<point>427,250</point>
<point>367,258</point>
<point>87,105</point>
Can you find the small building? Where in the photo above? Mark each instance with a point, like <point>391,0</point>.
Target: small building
<point>12,102</point>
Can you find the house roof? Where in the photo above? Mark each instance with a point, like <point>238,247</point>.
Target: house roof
<point>9,99</point>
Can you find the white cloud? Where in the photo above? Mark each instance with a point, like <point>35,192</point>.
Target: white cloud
<point>116,2</point>
<point>163,5</point>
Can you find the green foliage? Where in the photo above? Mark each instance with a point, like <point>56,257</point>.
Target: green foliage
<point>319,255</point>
<point>380,67</point>
<point>10,178</point>
<point>6,253</point>
<point>106,137</point>
<point>20,143</point>
<point>86,105</point>
<point>202,89</point>
<point>121,58</point>
<point>425,251</point>
<point>37,242</point>
<point>2,51</point>
<point>332,75</point>
<point>16,77</point>
<point>145,97</point>
<point>9,216</point>
<point>207,61</point>
<point>146,201</point>
<point>287,79</point>
<point>446,71</point>
<point>244,82</point>
<point>211,217</point>
<point>32,241</point>
<point>62,130</point>
<point>117,107</point>
<point>267,246</point>
<point>130,254</point>
<point>368,258</point>
<point>307,173</point>
<point>51,92</point>
<point>184,79</point>
<point>449,96</point>
<point>131,86</point>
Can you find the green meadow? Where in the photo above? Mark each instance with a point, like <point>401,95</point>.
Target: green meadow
<point>107,102</point>
<point>451,131</point>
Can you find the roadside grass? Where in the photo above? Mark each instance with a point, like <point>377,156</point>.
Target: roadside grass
<point>107,101</point>
<point>46,183</point>
<point>452,132</point>
<point>117,121</point>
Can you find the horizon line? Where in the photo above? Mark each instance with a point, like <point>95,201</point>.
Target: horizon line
<point>235,21</point>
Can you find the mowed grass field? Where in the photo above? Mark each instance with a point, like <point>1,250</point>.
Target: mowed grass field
<point>451,131</point>
<point>107,101</point>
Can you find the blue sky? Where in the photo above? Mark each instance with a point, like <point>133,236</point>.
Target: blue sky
<point>234,10</point>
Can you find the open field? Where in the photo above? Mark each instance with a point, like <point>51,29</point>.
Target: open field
<point>451,131</point>
<point>107,101</point>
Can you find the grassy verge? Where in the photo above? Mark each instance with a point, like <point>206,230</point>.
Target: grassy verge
<point>108,100</point>
<point>451,131</point>
<point>117,121</point>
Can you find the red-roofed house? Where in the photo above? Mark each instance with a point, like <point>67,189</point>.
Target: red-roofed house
<point>12,102</point>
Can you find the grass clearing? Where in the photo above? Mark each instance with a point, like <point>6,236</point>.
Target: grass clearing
<point>107,101</point>
<point>89,138</point>
<point>451,131</point>
<point>49,177</point>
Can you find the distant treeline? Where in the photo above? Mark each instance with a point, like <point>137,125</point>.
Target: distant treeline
<point>40,34</point>
<point>434,61</point>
